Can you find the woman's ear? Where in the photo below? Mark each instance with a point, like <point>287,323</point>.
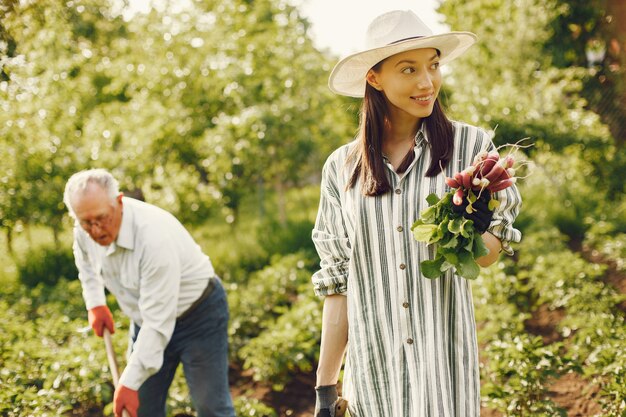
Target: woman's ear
<point>372,79</point>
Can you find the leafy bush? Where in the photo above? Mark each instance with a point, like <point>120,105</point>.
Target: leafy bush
<point>254,306</point>
<point>251,407</point>
<point>44,357</point>
<point>46,265</point>
<point>291,237</point>
<point>569,197</point>
<point>608,237</point>
<point>545,272</point>
<point>234,251</point>
<point>288,345</point>
<point>523,365</point>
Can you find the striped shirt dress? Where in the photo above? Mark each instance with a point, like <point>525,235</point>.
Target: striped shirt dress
<point>412,348</point>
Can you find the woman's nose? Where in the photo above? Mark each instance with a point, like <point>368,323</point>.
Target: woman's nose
<point>424,80</point>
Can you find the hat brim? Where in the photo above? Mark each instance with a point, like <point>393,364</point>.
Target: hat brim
<point>348,76</point>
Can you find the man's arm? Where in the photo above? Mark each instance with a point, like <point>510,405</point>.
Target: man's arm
<point>90,280</point>
<point>158,303</point>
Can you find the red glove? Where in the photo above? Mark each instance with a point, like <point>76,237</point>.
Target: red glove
<point>125,398</point>
<point>99,318</point>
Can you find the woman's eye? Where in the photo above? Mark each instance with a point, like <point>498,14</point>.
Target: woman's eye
<point>408,70</point>
<point>435,65</point>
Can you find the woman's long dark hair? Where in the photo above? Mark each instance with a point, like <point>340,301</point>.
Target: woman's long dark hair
<point>368,156</point>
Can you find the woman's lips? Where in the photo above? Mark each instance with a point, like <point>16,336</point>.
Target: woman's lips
<point>425,98</point>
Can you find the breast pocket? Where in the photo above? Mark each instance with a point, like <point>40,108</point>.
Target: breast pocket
<point>129,274</point>
<point>130,281</point>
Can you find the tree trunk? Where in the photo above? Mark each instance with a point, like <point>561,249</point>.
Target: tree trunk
<point>9,236</point>
<point>261,194</point>
<point>55,236</point>
<point>615,115</point>
<point>281,202</point>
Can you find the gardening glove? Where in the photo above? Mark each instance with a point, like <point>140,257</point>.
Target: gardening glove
<point>125,398</point>
<point>99,318</point>
<point>325,399</point>
<point>481,216</point>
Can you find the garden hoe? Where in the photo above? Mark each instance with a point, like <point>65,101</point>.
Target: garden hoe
<point>112,362</point>
<point>340,407</point>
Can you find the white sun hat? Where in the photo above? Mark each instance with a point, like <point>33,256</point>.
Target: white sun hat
<point>389,34</point>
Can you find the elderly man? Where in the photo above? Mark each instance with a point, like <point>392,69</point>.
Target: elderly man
<point>164,283</point>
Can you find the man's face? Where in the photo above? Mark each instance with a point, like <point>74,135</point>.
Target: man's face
<point>97,214</point>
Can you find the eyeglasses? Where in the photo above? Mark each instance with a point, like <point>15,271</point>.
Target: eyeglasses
<point>100,221</point>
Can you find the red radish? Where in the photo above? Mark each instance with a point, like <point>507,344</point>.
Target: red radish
<point>504,175</point>
<point>458,178</point>
<point>467,179</point>
<point>452,183</point>
<point>457,198</point>
<point>486,166</point>
<point>481,156</point>
<point>501,185</point>
<point>495,172</point>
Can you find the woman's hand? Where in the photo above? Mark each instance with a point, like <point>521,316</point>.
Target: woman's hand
<point>495,247</point>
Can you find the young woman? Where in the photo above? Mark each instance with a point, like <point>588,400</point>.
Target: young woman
<point>412,347</point>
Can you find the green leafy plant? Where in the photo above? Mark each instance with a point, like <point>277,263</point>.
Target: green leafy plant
<point>245,406</point>
<point>47,265</point>
<point>458,244</point>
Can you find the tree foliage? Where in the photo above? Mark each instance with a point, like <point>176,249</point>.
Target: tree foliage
<point>508,80</point>
<point>194,106</point>
<point>596,28</point>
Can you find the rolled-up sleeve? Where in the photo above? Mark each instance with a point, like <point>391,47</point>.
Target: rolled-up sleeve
<point>331,238</point>
<point>90,279</point>
<point>504,215</point>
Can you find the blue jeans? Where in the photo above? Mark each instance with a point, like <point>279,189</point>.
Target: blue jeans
<point>200,342</point>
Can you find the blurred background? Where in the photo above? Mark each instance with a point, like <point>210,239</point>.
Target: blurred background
<point>218,111</point>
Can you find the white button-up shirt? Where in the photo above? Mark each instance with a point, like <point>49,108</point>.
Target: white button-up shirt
<point>155,270</point>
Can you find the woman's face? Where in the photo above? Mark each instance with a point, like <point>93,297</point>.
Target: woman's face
<point>410,82</point>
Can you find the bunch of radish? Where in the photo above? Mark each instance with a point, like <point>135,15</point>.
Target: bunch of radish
<point>487,172</point>
<point>457,242</point>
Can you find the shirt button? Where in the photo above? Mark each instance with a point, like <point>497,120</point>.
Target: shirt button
<point>399,228</point>
<point>398,191</point>
<point>402,266</point>
<point>409,341</point>
<point>405,304</point>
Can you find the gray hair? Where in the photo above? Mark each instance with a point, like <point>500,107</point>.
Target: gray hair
<point>79,181</point>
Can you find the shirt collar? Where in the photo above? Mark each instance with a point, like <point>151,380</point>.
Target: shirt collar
<point>125,238</point>
<point>421,137</point>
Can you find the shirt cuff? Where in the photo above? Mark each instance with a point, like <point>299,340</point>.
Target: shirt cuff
<point>132,377</point>
<point>506,247</point>
<point>92,301</point>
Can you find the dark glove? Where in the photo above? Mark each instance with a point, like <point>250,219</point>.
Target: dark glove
<point>325,399</point>
<point>481,216</point>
